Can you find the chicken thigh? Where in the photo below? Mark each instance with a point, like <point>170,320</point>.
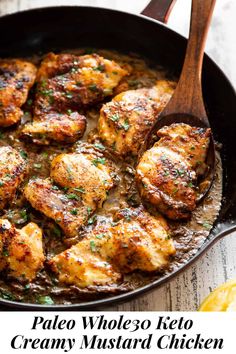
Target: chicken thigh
<point>21,251</point>
<point>16,79</point>
<point>125,121</point>
<point>167,173</point>
<point>84,181</point>
<point>12,171</point>
<point>138,241</point>
<point>67,83</point>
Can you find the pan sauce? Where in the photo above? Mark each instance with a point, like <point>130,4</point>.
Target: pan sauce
<point>188,236</point>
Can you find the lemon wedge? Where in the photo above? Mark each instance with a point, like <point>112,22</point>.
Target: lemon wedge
<point>221,299</point>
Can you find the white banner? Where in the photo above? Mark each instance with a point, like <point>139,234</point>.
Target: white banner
<point>138,332</point>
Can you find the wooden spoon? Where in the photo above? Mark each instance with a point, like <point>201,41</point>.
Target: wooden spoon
<point>186,104</point>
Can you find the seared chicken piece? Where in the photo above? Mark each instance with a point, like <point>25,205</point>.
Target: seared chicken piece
<point>125,121</point>
<point>192,143</point>
<point>81,266</point>
<point>167,173</point>
<point>12,170</point>
<point>16,79</point>
<point>21,251</point>
<point>138,241</point>
<point>7,232</point>
<point>89,173</point>
<point>86,179</point>
<point>68,82</point>
<point>68,212</point>
<point>61,128</point>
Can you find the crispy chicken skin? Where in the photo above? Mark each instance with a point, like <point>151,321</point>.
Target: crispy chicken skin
<point>21,251</point>
<point>138,241</point>
<point>62,128</point>
<point>67,83</point>
<point>12,171</point>
<point>84,181</point>
<point>167,173</point>
<point>125,121</point>
<point>16,79</point>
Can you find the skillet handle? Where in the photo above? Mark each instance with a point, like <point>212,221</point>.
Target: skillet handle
<point>222,231</point>
<point>159,9</point>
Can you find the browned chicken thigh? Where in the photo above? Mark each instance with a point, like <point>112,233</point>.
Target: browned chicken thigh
<point>16,79</point>
<point>138,241</point>
<point>63,128</point>
<point>125,121</point>
<point>84,181</point>
<point>67,83</point>
<point>167,173</point>
<point>21,251</point>
<point>69,213</point>
<point>12,171</point>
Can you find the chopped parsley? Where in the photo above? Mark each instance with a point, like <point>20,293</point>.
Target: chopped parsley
<point>115,117</point>
<point>93,246</point>
<point>27,287</point>
<point>68,95</point>
<point>125,125</point>
<point>79,189</point>
<point>7,295</point>
<point>29,102</point>
<point>23,214</point>
<point>45,154</point>
<point>89,210</point>
<point>45,300</point>
<point>99,146</point>
<point>23,154</point>
<point>92,220</point>
<point>100,236</point>
<point>5,252</point>
<point>93,87</point>
<point>180,172</point>
<point>207,225</point>
<point>1,183</point>
<point>73,196</point>
<point>55,188</point>
<point>57,231</point>
<point>175,190</point>
<point>99,68</point>
<point>99,160</point>
<point>74,211</point>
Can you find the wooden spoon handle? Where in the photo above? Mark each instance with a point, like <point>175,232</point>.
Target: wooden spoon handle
<point>187,97</point>
<point>159,9</point>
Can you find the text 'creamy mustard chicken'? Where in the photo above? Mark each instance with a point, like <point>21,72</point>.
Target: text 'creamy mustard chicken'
<point>79,218</point>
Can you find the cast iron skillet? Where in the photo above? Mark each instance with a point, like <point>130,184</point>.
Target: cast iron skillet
<point>57,28</point>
